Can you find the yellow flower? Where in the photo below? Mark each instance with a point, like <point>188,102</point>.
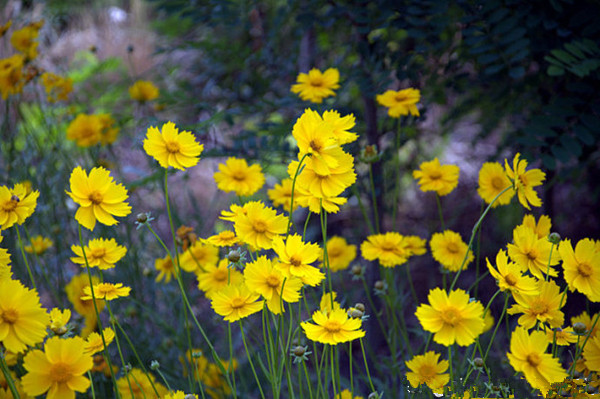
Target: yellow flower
<point>544,307</point>
<point>315,203</point>
<point>94,343</point>
<point>85,130</point>
<point>528,355</point>
<point>106,291</point>
<point>295,257</point>
<point>340,126</point>
<point>391,249</point>
<point>581,268</point>
<point>59,370</point>
<point>339,253</point>
<point>199,256</point>
<point>4,28</point>
<point>328,302</point>
<point>541,228</point>
<point>435,177</point>
<point>401,102</point>
<point>99,197</point>
<point>11,75</point>
<point>333,327</point>
<point>488,322</point>
<point>143,90</point>
<point>57,88</point>
<point>171,147</point>
<point>5,269</point>
<point>428,369</point>
<point>591,353</point>
<point>216,277</point>
<point>16,205</point>
<point>450,250</point>
<point>108,129</point>
<point>564,336</point>
<point>235,175</point>
<point>23,321</point>
<point>263,277</point>
<point>180,395</point>
<point>533,253</point>
<point>281,195</point>
<point>510,276</point>
<point>39,245</point>
<point>226,238</point>
<point>524,181</point>
<point>492,181</point>
<point>165,268</point>
<point>326,184</point>
<point>141,384</point>
<point>452,317</point>
<point>233,212</point>
<point>23,40</point>
<point>100,252</point>
<point>235,302</point>
<point>59,319</point>
<point>416,245</point>
<point>75,290</point>
<point>346,394</point>
<point>259,225</point>
<point>314,86</point>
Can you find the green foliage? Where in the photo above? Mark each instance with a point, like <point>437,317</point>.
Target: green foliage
<point>580,57</point>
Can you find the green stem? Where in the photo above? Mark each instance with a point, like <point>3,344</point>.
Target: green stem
<point>332,372</point>
<point>450,367</point>
<point>440,213</point>
<point>374,198</point>
<point>262,395</point>
<point>231,359</point>
<point>9,380</point>
<point>294,189</point>
<point>362,348</point>
<point>112,321</point>
<point>363,210</point>
<point>25,258</point>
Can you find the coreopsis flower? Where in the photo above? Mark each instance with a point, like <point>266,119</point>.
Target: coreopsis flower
<point>180,395</point>
<point>39,245</point>
<point>591,353</point>
<point>216,277</point>
<point>492,181</point>
<point>450,250</point>
<point>416,245</point>
<point>562,336</point>
<point>106,291</point>
<point>185,237</point>
<point>452,317</point>
<point>233,212</point>
<point>170,147</point>
<point>165,268</point>
<point>98,196</point>
<point>199,256</point>
<point>235,302</point>
<point>100,252</point>
<point>226,238</point>
<point>59,370</point>
<point>316,204</point>
<point>137,384</point>
<point>333,327</point>
<point>327,184</point>
<point>315,85</point>
<point>235,175</point>
<point>23,321</point>
<point>57,87</point>
<point>435,177</point>
<point>339,253</point>
<point>263,277</point>
<point>581,267</point>
<point>488,321</point>
<point>528,355</point>
<point>524,181</point>
<point>11,75</point>
<point>533,253</point>
<point>346,394</point>
<point>85,130</point>
<point>108,129</point>
<point>281,195</point>
<point>295,258</point>
<point>341,126</point>
<point>16,205</point>
<point>5,269</point>
<point>259,225</point>
<point>143,90</point>
<point>94,343</point>
<point>24,41</point>
<point>401,102</point>
<point>329,303</point>
<point>428,369</point>
<point>543,307</point>
<point>541,227</point>
<point>391,249</point>
<point>75,291</point>
<point>59,319</point>
<point>510,276</point>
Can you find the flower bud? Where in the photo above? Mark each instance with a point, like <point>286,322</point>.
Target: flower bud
<point>478,362</point>
<point>379,285</point>
<point>579,328</point>
<point>190,396</point>
<point>142,218</point>
<point>360,306</point>
<point>234,256</point>
<point>373,395</point>
<point>299,350</point>
<point>356,314</point>
<point>369,154</point>
<point>154,365</point>
<point>554,238</point>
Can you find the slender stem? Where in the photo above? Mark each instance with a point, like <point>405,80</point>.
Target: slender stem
<point>44,270</point>
<point>450,367</point>
<point>374,198</point>
<point>262,395</point>
<point>397,180</point>
<point>478,253</point>
<point>363,210</point>
<point>25,258</point>
<point>549,261</point>
<point>350,368</point>
<point>413,292</point>
<point>112,321</point>
<point>89,374</point>
<point>9,380</point>
<point>298,170</point>
<point>307,379</point>
<point>362,348</point>
<point>440,213</point>
<point>332,372</point>
<point>231,359</point>
<point>323,218</point>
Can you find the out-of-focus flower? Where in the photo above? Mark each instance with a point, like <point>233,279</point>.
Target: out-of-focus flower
<point>315,85</point>
<point>435,177</point>
<point>143,90</point>
<point>401,102</point>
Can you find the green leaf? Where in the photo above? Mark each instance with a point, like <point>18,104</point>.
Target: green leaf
<point>583,135</point>
<point>563,56</point>
<point>554,70</point>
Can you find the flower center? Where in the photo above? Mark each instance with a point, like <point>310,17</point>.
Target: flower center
<point>316,147</point>
<point>510,279</point>
<point>584,269</point>
<point>10,205</point>
<point>400,98</point>
<point>435,175</point>
<point>498,183</point>
<point>220,275</point>
<point>534,359</point>
<point>173,147</point>
<point>294,261</point>
<point>452,247</point>
<point>427,372</point>
<point>317,82</point>
<point>259,226</point>
<point>334,252</point>
<point>332,326</point>
<point>388,246</point>
<point>539,308</point>
<point>60,372</point>
<point>237,303</point>
<point>96,198</point>
<point>10,316</point>
<point>239,175</point>
<point>531,255</point>
<point>450,316</point>
<point>273,281</point>
<point>97,252</point>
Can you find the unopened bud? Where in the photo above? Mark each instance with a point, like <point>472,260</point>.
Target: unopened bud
<point>554,238</point>
<point>299,350</point>
<point>154,365</point>
<point>478,362</point>
<point>142,218</point>
<point>356,314</point>
<point>369,154</point>
<point>190,396</point>
<point>379,285</point>
<point>373,395</point>
<point>579,328</point>
<point>360,306</point>
<point>234,256</point>
<point>357,270</point>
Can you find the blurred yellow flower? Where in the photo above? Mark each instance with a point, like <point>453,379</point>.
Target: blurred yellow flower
<point>85,130</point>
<point>492,181</point>
<point>450,250</point>
<point>391,249</point>
<point>543,307</point>
<point>143,90</point>
<point>435,177</point>
<point>180,395</point>
<point>11,75</point>
<point>295,258</point>
<point>563,336</point>
<point>401,102</point>
<point>100,252</point>
<point>235,302</point>
<point>333,327</point>
<point>23,40</point>
<point>524,181</point>
<point>16,205</point>
<point>170,147</point>
<point>106,291</point>
<point>315,85</point>
<point>346,394</point>
<point>581,267</point>
<point>428,369</point>
<point>75,291</point>
<point>57,87</point>
<point>199,256</point>
<point>39,245</point>
<point>94,343</point>
<point>235,175</point>
<point>137,384</point>
<point>340,254</point>
<point>4,28</point>
<point>226,238</point>
<point>59,319</point>
<point>108,129</point>
<point>281,195</point>
<point>213,278</point>
<point>165,268</point>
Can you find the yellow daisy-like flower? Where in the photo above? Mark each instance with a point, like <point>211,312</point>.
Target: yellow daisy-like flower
<point>316,204</point>
<point>452,317</point>
<point>533,253</point>
<point>235,175</point>
<point>165,268</point>
<point>216,277</point>
<point>314,86</point>
<point>100,252</point>
<point>59,370</point>
<point>75,290</point>
<point>23,40</point>
<point>106,291</point>
<point>544,307</point>
<point>581,267</point>
<point>346,394</point>
<point>180,395</point>
<point>328,302</point>
<point>401,102</point>
<point>5,269</point>
<point>391,249</point>
<point>333,327</point>
<point>85,130</point>
<point>233,212</point>
<point>259,225</point>
<point>39,245</point>
<point>23,321</point>
<point>57,87</point>
<point>541,227</point>
<point>94,343</point>
<point>339,253</point>
<point>510,276</point>
<point>563,336</point>
<point>59,319</point>
<point>416,245</point>
<point>11,75</point>
<point>340,126</point>
<point>226,238</point>
<point>428,369</point>
<point>295,257</point>
<point>281,195</point>
<point>435,177</point>
<point>528,355</point>
<point>143,90</point>
<point>591,353</point>
<point>171,147</point>
<point>199,256</point>
<point>142,386</point>
<point>108,129</point>
<point>524,181</point>
<point>492,181</point>
<point>16,205</point>
<point>235,302</point>
<point>263,277</point>
<point>98,196</point>
<point>450,250</point>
